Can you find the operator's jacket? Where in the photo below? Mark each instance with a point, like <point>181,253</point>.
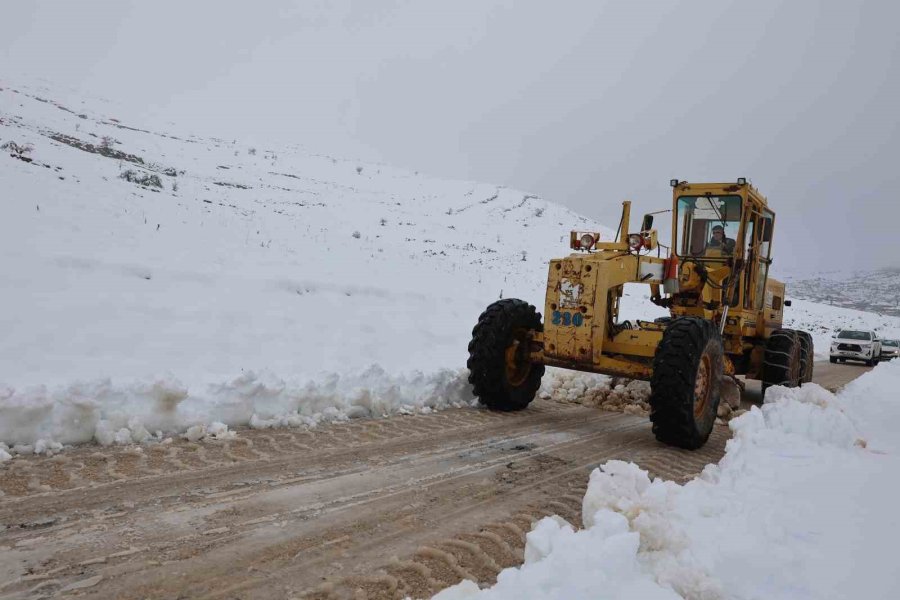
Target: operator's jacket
<point>717,249</point>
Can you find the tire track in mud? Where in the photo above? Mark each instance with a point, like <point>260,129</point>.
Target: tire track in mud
<point>377,508</point>
<point>470,503</point>
<point>91,471</point>
<point>481,554</point>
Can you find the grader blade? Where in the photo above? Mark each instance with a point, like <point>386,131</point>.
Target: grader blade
<point>731,391</point>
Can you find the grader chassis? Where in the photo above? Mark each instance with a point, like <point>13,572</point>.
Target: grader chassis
<point>725,319</point>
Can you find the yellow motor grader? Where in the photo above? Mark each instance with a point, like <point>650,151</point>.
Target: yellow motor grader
<point>726,314</point>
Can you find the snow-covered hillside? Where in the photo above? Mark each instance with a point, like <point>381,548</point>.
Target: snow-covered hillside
<point>869,291</point>
<point>238,282</point>
<point>153,280</point>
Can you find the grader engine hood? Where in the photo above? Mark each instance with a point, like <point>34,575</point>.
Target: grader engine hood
<point>581,328</point>
<point>694,276</point>
<point>571,285</point>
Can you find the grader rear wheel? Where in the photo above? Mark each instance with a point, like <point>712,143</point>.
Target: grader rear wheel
<point>782,364</point>
<point>500,368</point>
<point>686,383</point>
<point>807,357</point>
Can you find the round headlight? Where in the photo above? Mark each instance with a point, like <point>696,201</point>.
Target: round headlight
<point>587,241</point>
<point>635,241</point>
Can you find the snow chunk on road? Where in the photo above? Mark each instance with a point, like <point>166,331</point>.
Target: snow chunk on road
<point>803,505</point>
<point>216,431</point>
<point>220,431</point>
<point>607,393</point>
<point>195,433</point>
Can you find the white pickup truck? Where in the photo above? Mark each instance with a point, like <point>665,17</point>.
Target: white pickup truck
<point>850,344</point>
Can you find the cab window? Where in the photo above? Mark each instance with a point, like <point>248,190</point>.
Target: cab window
<point>708,226</point>
<point>765,247</point>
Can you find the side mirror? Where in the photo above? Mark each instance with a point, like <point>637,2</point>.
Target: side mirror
<point>647,223</point>
<point>787,302</point>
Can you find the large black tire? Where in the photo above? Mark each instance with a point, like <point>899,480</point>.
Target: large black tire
<point>782,364</point>
<point>504,327</point>
<point>807,357</point>
<point>686,383</point>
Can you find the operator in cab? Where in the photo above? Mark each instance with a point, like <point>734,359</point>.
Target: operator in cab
<point>719,245</point>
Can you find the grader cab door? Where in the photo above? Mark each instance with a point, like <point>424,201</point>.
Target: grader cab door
<point>760,227</point>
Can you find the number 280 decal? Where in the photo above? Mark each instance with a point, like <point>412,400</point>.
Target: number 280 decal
<point>566,319</point>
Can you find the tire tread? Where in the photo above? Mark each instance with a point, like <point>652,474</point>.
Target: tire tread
<point>486,362</point>
<point>672,383</point>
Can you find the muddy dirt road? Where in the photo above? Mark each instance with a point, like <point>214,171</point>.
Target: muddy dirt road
<point>830,376</point>
<point>368,509</point>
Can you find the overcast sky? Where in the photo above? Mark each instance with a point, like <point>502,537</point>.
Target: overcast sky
<point>584,102</point>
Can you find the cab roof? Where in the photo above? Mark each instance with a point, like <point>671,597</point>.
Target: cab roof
<point>730,187</point>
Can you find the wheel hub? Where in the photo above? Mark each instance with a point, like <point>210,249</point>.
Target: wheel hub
<point>518,365</point>
<point>702,385</point>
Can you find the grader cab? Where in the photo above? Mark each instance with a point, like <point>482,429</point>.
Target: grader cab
<point>725,315</point>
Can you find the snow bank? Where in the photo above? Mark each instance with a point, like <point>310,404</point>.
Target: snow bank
<point>243,278</point>
<point>803,505</point>
<point>112,413</point>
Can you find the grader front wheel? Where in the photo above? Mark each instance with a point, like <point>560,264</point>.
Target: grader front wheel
<point>686,383</point>
<point>500,368</point>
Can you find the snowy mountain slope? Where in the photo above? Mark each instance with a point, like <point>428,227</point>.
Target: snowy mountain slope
<point>242,283</point>
<point>249,282</point>
<point>869,291</point>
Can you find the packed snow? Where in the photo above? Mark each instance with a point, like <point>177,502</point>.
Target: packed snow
<point>803,505</point>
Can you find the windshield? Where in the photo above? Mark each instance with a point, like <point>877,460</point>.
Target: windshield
<point>708,225</point>
<point>893,343</point>
<point>855,335</point>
